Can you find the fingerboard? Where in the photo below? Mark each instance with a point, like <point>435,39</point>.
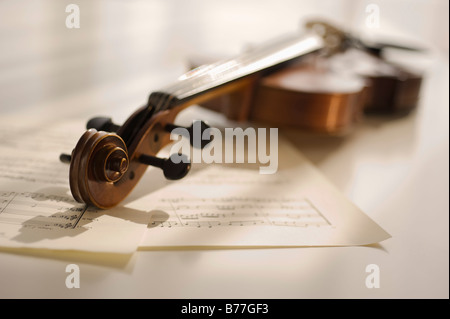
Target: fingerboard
<point>211,76</point>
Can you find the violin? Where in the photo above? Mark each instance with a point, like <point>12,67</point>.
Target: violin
<point>325,93</point>
<point>288,82</point>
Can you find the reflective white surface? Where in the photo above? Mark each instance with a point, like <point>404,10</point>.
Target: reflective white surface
<point>395,170</point>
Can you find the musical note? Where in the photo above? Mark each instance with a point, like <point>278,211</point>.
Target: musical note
<point>39,210</point>
<point>212,215</point>
<point>191,216</point>
<point>199,224</point>
<point>239,211</point>
<point>246,222</point>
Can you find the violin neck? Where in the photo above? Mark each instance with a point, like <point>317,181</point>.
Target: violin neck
<point>210,80</point>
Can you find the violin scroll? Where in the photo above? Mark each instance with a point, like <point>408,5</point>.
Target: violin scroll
<point>98,158</point>
<point>104,168</point>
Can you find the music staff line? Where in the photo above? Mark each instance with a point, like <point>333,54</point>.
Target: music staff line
<point>40,210</point>
<point>212,212</point>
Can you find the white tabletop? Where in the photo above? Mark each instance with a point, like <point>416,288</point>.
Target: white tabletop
<point>394,169</point>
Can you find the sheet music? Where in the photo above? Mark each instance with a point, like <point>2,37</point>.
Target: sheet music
<point>238,211</point>
<point>234,205</point>
<point>216,205</point>
<point>36,207</point>
<point>38,210</point>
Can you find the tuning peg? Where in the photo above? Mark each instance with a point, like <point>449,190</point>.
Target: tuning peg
<point>195,130</point>
<point>65,158</point>
<point>175,167</point>
<point>102,124</point>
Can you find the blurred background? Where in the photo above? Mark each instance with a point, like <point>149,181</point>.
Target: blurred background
<point>394,169</point>
<point>125,49</point>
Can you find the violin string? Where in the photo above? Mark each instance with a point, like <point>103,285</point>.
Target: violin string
<point>164,102</point>
<point>183,83</point>
<point>245,61</point>
<point>215,74</point>
<point>185,87</point>
<point>157,104</point>
<point>201,72</point>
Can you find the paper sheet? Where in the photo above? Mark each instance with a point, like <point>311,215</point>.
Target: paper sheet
<point>216,205</point>
<point>36,207</point>
<point>234,205</point>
